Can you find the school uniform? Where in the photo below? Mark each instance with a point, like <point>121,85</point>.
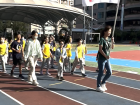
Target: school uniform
<point>32,53</point>
<point>6,55</point>
<point>46,51</point>
<point>60,60</point>
<point>10,52</point>
<point>52,49</point>
<point>67,59</point>
<point>79,56</point>
<point>85,52</point>
<point>2,55</point>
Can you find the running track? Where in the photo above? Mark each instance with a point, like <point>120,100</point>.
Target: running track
<point>121,58</point>
<point>123,89</point>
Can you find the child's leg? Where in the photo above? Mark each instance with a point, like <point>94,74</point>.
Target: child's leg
<point>74,64</point>
<point>47,61</point>
<point>42,66</point>
<point>82,66</point>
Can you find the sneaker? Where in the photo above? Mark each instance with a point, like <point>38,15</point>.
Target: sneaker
<point>47,73</point>
<point>100,89</point>
<point>26,68</point>
<point>35,83</point>
<point>5,71</point>
<point>62,78</point>
<point>21,76</point>
<point>97,70</point>
<point>41,73</point>
<point>30,78</point>
<point>52,67</point>
<point>71,72</point>
<point>12,73</point>
<point>84,75</point>
<point>57,77</point>
<point>104,87</point>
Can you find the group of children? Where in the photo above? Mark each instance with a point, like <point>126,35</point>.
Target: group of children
<point>63,56</point>
<point>30,50</point>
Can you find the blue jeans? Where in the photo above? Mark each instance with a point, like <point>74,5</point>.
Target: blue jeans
<point>103,64</point>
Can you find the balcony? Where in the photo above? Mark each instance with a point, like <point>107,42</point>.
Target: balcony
<point>112,18</point>
<point>112,7</point>
<point>128,28</point>
<point>132,16</point>
<point>132,4</point>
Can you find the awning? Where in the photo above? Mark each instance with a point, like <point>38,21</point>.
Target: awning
<point>37,11</point>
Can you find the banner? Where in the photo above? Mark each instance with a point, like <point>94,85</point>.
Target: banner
<point>92,2</point>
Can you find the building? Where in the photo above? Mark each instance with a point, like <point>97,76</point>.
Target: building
<point>105,14</point>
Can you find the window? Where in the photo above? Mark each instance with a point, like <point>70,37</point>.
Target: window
<point>101,5</point>
<point>100,15</point>
<point>94,14</point>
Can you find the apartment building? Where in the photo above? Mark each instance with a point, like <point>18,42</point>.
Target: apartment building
<point>105,13</point>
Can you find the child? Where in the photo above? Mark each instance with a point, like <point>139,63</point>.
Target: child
<point>46,55</point>
<point>85,51</point>
<point>79,58</point>
<point>60,55</point>
<point>69,54</point>
<point>2,53</point>
<point>10,51</point>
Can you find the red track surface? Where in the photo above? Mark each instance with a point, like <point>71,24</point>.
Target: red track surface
<point>129,55</point>
<point>112,88</point>
<point>29,94</point>
<point>38,96</point>
<point>117,73</point>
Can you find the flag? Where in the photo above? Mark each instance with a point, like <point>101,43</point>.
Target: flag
<point>92,2</point>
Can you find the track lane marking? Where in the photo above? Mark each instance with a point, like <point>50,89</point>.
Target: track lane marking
<point>95,90</point>
<point>24,89</point>
<point>11,97</point>
<point>79,79</point>
<point>55,84</point>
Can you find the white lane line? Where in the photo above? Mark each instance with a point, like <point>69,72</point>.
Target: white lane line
<point>56,93</point>
<point>112,82</point>
<point>117,70</point>
<point>11,97</point>
<point>63,95</point>
<point>115,75</point>
<point>104,92</point>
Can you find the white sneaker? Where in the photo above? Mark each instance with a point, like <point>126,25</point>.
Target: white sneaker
<point>4,71</point>
<point>30,78</point>
<point>104,87</point>
<point>100,89</point>
<point>35,83</point>
<point>26,68</point>
<point>47,73</point>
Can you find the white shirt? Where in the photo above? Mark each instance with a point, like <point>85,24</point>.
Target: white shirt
<point>33,48</point>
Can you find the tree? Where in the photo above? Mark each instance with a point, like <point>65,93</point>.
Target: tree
<point>15,25</point>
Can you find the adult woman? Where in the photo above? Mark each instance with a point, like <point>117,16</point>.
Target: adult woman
<point>103,61</point>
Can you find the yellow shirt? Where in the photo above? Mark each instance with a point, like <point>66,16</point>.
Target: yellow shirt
<point>10,50</point>
<point>23,44</point>
<point>61,58</point>
<point>46,50</point>
<point>2,49</point>
<point>80,51</point>
<point>84,49</point>
<point>69,50</point>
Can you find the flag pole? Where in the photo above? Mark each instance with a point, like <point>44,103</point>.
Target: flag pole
<point>116,18</point>
<point>84,24</point>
